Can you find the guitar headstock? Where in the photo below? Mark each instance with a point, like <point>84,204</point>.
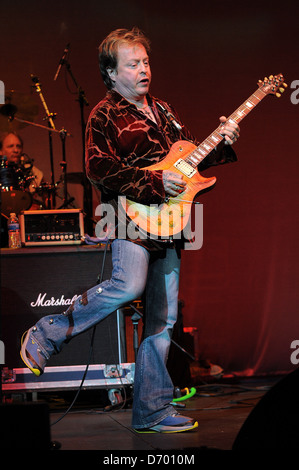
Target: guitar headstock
<point>274,85</point>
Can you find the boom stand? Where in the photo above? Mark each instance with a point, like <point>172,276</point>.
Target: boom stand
<point>63,165</point>
<point>63,134</point>
<point>50,118</point>
<point>87,189</point>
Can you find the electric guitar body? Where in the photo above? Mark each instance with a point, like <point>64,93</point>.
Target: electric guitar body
<point>170,218</point>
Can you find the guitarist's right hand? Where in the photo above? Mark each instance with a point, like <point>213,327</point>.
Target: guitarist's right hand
<point>173,183</point>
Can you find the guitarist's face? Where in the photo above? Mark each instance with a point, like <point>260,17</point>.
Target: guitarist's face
<point>132,76</point>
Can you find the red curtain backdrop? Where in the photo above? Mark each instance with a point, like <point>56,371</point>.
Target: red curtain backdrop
<point>240,289</point>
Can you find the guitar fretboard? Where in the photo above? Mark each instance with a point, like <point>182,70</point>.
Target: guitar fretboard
<point>214,139</point>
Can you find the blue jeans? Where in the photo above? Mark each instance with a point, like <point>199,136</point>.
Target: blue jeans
<point>135,271</point>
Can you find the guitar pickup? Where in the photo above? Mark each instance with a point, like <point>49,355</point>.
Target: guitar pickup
<point>185,168</point>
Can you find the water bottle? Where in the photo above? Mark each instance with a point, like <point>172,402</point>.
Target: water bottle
<point>13,227</point>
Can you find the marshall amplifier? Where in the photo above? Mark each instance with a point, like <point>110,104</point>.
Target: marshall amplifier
<point>51,227</point>
<point>41,281</point>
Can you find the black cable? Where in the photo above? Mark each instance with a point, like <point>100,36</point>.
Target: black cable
<point>81,384</point>
<point>100,278</point>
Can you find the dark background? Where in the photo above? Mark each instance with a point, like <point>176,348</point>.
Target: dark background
<point>240,289</point>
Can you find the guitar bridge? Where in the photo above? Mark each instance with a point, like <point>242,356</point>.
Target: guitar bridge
<point>185,168</point>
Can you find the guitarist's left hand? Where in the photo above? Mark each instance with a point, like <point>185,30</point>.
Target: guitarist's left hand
<point>230,130</point>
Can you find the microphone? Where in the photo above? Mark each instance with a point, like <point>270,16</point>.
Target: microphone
<point>174,121</point>
<point>61,62</point>
<point>170,117</point>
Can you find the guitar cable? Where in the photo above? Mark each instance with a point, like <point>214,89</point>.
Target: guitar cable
<point>99,280</point>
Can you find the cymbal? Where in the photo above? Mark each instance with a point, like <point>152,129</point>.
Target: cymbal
<point>20,105</point>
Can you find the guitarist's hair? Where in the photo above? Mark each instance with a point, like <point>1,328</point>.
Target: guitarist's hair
<point>109,47</point>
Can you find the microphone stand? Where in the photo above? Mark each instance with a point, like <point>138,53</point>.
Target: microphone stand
<point>50,118</point>
<point>87,189</point>
<point>63,133</point>
<point>63,166</point>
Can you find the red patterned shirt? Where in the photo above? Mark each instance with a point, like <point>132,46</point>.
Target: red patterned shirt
<point>121,141</point>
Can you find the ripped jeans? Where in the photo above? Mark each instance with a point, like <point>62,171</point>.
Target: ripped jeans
<point>135,271</point>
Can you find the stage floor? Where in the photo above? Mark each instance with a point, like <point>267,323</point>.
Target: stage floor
<point>220,408</point>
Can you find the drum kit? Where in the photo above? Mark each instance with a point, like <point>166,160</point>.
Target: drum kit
<point>15,197</point>
<point>18,111</point>
<point>15,178</point>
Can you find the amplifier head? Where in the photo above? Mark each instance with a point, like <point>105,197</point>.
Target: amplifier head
<point>51,227</point>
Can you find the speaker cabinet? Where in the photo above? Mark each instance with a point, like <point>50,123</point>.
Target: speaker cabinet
<point>273,423</point>
<point>39,281</point>
<point>24,426</point>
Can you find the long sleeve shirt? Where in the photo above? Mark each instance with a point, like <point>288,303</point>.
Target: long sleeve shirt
<point>122,142</point>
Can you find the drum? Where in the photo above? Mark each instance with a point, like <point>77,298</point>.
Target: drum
<point>13,199</point>
<point>9,175</point>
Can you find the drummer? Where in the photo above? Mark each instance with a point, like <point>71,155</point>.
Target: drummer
<point>11,146</point>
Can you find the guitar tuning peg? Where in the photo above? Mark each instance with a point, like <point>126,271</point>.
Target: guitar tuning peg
<point>285,85</point>
<point>271,76</point>
<point>281,90</point>
<point>265,79</point>
<point>278,95</point>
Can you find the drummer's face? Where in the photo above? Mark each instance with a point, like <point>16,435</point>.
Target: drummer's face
<point>12,148</point>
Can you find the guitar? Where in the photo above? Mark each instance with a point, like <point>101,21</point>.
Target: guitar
<point>171,217</point>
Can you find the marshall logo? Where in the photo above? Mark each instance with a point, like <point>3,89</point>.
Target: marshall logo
<point>42,301</point>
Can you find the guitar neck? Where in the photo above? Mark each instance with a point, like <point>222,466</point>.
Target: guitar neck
<point>214,139</point>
